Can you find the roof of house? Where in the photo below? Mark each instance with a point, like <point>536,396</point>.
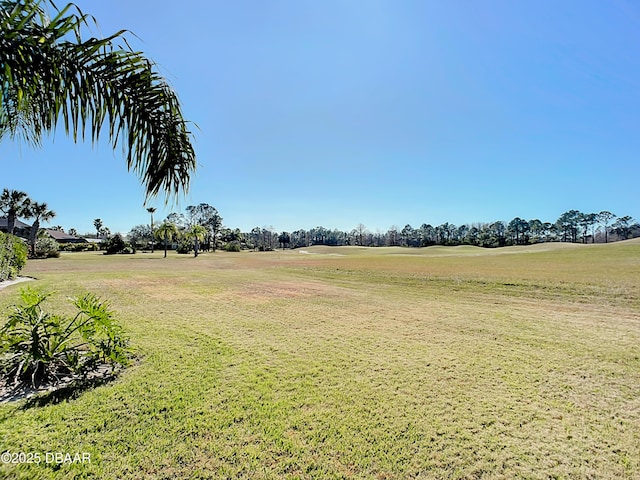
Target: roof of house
<point>18,224</point>
<point>63,237</point>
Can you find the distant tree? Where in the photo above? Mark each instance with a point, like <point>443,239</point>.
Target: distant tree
<point>518,228</point>
<point>318,235</point>
<point>445,232</point>
<point>298,238</point>
<point>14,204</point>
<point>268,237</point>
<point>568,224</point>
<point>623,226</point>
<point>284,239</point>
<point>212,221</point>
<point>408,236</point>
<point>209,217</point>
<point>550,231</point>
<point>440,234</point>
<point>499,233</point>
<point>178,219</point>
<point>167,232</point>
<point>472,235</point>
<point>360,232</point>
<point>461,233</point>
<point>586,220</point>
<point>336,237</point>
<point>392,236</point>
<point>196,233</point>
<point>256,237</point>
<point>98,225</point>
<point>39,212</point>
<point>427,235</point>
<point>377,239</point>
<point>73,232</point>
<point>151,210</point>
<point>140,235</point>
<point>230,235</point>
<point>536,228</point>
<point>604,218</point>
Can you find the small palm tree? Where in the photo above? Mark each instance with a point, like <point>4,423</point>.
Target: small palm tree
<point>39,212</point>
<point>197,233</point>
<point>168,232</point>
<point>14,204</point>
<point>97,223</point>
<point>151,210</point>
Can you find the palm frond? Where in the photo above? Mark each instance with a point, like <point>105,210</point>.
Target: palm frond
<point>49,75</point>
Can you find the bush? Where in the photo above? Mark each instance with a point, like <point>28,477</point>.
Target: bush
<point>46,248</point>
<point>13,256</point>
<point>114,245</point>
<point>232,246</point>
<point>184,246</point>
<point>79,247</point>
<point>38,346</point>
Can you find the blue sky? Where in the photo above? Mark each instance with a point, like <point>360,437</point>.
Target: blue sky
<point>384,113</point>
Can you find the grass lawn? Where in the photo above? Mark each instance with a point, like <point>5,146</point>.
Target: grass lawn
<point>352,363</point>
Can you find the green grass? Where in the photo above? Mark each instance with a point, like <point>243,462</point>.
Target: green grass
<point>353,363</point>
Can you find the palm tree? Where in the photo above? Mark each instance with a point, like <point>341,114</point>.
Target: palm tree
<point>97,223</point>
<point>39,212</point>
<point>168,231</point>
<point>52,74</point>
<point>14,204</point>
<point>197,233</point>
<point>151,210</point>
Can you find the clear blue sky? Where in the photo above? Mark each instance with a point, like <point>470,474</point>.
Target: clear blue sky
<point>395,112</point>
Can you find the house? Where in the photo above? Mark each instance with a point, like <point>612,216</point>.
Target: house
<point>21,229</point>
<point>62,237</point>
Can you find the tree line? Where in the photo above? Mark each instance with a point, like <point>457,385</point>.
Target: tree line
<point>201,227</point>
<point>572,226</point>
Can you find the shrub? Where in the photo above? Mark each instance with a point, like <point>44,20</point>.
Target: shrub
<point>114,244</point>
<point>79,247</point>
<point>46,248</point>
<point>37,346</point>
<point>13,256</point>
<point>232,246</point>
<point>184,246</point>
